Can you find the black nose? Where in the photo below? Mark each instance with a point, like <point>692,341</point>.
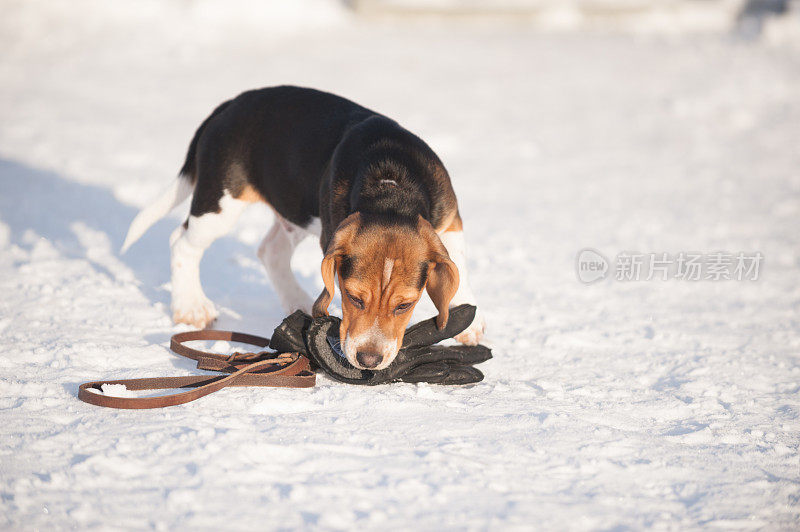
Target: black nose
<point>368,360</point>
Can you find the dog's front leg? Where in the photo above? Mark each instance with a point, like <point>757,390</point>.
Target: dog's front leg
<point>454,243</point>
<point>276,252</point>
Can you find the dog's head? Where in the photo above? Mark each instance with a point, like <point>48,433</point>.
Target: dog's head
<point>382,269</point>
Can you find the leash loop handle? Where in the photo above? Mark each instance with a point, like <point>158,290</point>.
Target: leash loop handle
<point>290,370</point>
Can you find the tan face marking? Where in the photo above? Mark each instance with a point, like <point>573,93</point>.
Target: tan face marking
<point>382,271</point>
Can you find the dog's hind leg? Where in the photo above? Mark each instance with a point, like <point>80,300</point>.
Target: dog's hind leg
<point>188,243</point>
<point>276,252</point>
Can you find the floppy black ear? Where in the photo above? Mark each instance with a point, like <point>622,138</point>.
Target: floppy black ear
<point>330,263</point>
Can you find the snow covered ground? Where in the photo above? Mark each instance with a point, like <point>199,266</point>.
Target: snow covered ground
<point>650,404</point>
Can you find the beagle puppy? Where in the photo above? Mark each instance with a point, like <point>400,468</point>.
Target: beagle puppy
<point>376,195</point>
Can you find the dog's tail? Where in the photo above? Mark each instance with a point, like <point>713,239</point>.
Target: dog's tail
<point>180,189</point>
<point>177,191</point>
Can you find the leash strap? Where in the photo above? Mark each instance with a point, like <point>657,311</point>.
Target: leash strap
<point>289,370</point>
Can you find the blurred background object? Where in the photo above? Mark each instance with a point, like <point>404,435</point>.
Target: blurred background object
<point>747,17</point>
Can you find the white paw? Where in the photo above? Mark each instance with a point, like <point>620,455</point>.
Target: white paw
<point>473,334</point>
<point>197,311</point>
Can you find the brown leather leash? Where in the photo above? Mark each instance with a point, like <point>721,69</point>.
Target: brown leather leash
<point>289,370</point>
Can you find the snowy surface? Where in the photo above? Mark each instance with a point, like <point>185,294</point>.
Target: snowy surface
<point>667,405</point>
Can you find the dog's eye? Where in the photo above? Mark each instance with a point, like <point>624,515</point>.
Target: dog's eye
<point>402,307</point>
<point>356,301</point>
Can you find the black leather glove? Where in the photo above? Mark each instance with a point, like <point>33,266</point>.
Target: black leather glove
<point>417,361</point>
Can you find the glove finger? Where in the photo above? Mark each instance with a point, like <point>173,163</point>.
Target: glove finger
<point>289,336</point>
<point>426,332</point>
<point>443,373</point>
<point>434,373</point>
<point>453,354</point>
<point>462,375</point>
<point>468,354</point>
